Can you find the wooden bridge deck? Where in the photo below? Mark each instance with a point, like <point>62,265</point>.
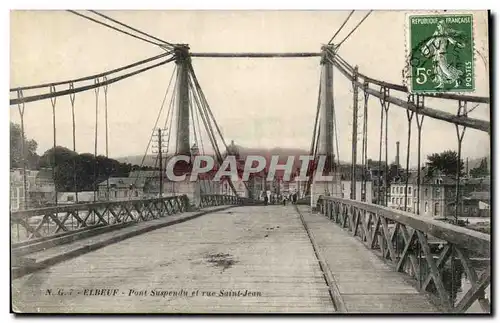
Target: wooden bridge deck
<point>263,252</point>
<point>364,283</point>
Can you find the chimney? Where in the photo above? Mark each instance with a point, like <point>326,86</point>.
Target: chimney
<point>397,153</point>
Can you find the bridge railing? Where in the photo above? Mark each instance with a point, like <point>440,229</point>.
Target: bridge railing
<point>208,200</point>
<point>441,259</point>
<point>37,224</point>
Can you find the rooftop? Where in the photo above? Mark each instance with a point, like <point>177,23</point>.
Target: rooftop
<point>121,182</point>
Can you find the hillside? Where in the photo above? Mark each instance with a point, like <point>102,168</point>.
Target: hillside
<point>244,152</point>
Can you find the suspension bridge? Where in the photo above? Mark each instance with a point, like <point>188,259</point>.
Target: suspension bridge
<point>200,249</point>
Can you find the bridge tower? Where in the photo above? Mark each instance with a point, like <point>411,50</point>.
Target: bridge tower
<point>326,130</point>
<point>182,59</point>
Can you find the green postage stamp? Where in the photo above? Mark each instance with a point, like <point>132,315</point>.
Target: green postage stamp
<point>441,53</point>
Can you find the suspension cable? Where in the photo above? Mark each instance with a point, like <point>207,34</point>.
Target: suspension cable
<point>170,117</point>
<point>96,163</point>
<point>462,111</point>
<point>199,129</point>
<point>91,77</point>
<point>170,113</point>
<point>409,116</point>
<point>386,109</point>
<point>190,104</point>
<point>196,130</point>
<point>205,112</point>
<point>352,31</point>
<point>75,179</point>
<point>379,177</point>
<point>114,28</point>
<point>20,107</point>
<point>132,28</point>
<point>106,130</point>
<point>315,138</point>
<point>364,149</point>
<point>54,159</point>
<point>206,104</point>
<point>87,87</point>
<point>204,118</point>
<point>342,26</point>
<point>420,122</point>
<point>154,127</point>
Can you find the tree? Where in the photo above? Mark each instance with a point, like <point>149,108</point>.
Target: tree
<point>481,170</point>
<point>90,170</point>
<point>16,154</point>
<point>445,162</point>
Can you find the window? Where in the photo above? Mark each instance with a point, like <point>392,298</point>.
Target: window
<point>426,194</point>
<point>436,208</point>
<point>136,194</point>
<point>70,198</point>
<point>115,193</point>
<point>401,190</point>
<point>409,190</point>
<point>426,207</point>
<point>437,191</point>
<point>343,186</point>
<point>409,201</point>
<point>392,200</point>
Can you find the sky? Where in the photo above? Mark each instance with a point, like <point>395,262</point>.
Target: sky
<point>258,103</point>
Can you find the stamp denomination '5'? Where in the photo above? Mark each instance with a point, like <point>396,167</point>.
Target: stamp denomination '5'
<point>442,53</point>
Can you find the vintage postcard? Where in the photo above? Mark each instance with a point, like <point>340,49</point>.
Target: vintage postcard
<point>208,162</point>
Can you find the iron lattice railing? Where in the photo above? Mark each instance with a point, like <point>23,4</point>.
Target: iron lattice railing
<point>35,224</point>
<point>208,200</point>
<point>442,259</point>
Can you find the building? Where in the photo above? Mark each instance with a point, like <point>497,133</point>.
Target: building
<point>239,185</point>
<point>17,196</point>
<point>121,188</point>
<point>40,187</point>
<point>71,197</point>
<point>377,177</point>
<point>437,194</point>
<point>475,204</point>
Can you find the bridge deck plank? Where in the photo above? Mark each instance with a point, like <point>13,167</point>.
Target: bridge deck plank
<point>366,284</point>
<point>260,249</point>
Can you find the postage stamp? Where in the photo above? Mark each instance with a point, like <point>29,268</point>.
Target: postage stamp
<point>441,53</point>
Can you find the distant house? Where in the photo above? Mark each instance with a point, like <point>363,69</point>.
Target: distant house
<point>121,188</point>
<point>71,197</point>
<point>40,189</point>
<point>239,185</point>
<point>476,204</point>
<point>437,194</point>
